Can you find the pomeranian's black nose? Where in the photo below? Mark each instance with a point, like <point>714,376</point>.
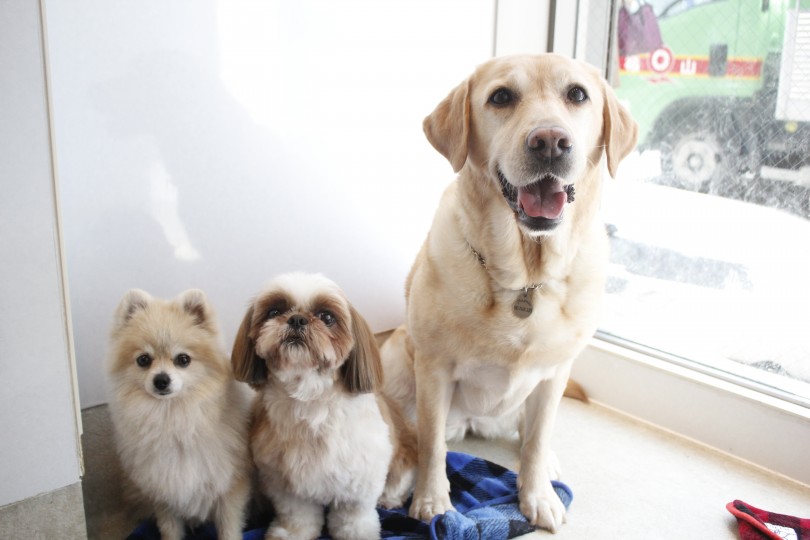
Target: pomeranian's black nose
<point>162,381</point>
<point>297,321</point>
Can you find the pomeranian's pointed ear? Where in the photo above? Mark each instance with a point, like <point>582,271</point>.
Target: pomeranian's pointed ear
<point>362,370</point>
<point>133,301</point>
<point>195,303</point>
<point>247,365</point>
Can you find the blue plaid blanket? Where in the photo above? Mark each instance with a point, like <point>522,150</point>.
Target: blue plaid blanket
<point>483,493</point>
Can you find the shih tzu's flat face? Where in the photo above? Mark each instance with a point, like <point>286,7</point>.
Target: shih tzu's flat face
<point>302,323</point>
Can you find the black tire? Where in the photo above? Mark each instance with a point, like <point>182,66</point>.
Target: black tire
<point>697,155</point>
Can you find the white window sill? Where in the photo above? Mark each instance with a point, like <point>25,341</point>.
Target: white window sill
<point>757,428</point>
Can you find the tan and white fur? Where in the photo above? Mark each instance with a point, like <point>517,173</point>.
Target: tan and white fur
<point>527,134</point>
<point>180,418</point>
<point>323,435</point>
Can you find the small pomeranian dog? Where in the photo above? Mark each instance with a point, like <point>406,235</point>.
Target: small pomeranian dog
<point>180,418</point>
<point>323,435</point>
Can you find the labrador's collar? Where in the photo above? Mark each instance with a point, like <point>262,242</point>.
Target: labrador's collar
<point>483,262</point>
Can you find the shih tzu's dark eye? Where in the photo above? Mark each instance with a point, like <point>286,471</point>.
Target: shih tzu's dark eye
<point>501,96</point>
<point>272,313</point>
<point>144,361</point>
<point>327,317</point>
<point>182,360</point>
<point>577,94</point>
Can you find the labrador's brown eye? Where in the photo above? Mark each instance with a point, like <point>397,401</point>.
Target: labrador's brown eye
<point>577,94</point>
<point>501,96</point>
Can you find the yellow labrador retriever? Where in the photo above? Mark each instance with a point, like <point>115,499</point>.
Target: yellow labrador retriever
<point>506,289</point>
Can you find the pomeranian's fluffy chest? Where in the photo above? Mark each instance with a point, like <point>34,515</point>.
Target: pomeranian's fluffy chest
<point>180,453</point>
<point>329,449</point>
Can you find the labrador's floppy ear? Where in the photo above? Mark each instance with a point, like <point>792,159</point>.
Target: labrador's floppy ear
<point>448,126</point>
<point>247,365</point>
<point>619,130</point>
<point>362,370</point>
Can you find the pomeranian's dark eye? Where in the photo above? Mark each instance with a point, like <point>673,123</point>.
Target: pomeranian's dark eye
<point>501,96</point>
<point>327,317</point>
<point>577,94</point>
<point>182,360</point>
<point>144,361</point>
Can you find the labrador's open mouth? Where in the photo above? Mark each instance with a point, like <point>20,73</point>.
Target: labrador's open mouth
<point>539,205</point>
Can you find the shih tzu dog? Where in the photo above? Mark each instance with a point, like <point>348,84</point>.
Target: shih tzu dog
<point>323,434</point>
<point>180,418</point>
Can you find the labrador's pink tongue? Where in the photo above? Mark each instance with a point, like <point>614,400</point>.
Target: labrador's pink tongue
<point>541,203</point>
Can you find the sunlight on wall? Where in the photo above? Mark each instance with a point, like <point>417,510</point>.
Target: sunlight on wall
<point>163,195</point>
<point>214,144</point>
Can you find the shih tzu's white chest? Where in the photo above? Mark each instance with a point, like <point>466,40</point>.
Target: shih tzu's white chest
<point>325,450</point>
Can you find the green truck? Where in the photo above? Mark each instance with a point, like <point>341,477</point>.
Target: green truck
<point>721,88</point>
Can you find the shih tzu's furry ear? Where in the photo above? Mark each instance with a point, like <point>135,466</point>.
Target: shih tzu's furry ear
<point>133,301</point>
<point>362,371</point>
<point>195,303</point>
<point>247,365</point>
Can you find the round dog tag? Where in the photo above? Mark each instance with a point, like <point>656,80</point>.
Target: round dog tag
<point>523,307</point>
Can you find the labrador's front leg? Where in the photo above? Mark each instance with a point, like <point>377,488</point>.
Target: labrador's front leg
<point>538,501</point>
<point>431,495</point>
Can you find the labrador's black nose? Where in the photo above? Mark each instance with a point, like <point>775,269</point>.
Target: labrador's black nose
<point>549,142</point>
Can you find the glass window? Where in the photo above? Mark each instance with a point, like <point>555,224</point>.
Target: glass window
<point>710,219</point>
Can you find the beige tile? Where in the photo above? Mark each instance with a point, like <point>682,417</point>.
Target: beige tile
<point>57,515</point>
<point>630,480</point>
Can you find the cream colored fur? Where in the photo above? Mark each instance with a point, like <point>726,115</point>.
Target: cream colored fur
<point>185,451</point>
<point>464,362</point>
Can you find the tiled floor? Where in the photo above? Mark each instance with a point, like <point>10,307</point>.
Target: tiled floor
<point>630,481</point>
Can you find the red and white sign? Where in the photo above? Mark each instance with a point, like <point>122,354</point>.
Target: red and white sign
<point>661,60</point>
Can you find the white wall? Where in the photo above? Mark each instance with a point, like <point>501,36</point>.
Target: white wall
<point>522,26</point>
<point>525,27</point>
<point>39,442</point>
<point>214,144</point>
